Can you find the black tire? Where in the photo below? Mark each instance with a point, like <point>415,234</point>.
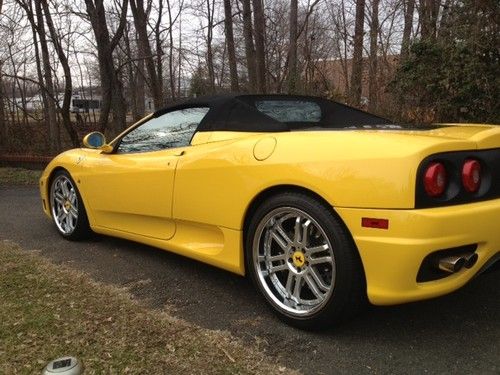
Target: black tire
<point>347,292</point>
<point>71,228</point>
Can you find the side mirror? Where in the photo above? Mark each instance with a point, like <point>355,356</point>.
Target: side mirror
<point>96,140</point>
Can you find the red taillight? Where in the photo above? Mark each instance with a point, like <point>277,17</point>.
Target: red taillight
<point>435,179</point>
<point>471,175</point>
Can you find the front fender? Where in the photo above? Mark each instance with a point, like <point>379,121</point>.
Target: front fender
<point>72,161</point>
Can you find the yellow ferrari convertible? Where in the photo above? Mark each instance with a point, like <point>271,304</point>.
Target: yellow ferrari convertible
<point>324,206</point>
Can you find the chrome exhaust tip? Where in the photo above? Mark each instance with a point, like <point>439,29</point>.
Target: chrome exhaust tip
<point>452,264</point>
<point>470,260</point>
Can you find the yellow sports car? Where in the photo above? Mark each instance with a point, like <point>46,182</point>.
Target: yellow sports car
<point>324,206</point>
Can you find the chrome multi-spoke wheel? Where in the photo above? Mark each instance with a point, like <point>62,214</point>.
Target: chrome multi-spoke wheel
<point>294,260</point>
<point>64,204</point>
<point>302,259</point>
<point>67,209</point>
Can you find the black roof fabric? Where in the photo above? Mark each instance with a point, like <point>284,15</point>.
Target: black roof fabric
<point>238,113</point>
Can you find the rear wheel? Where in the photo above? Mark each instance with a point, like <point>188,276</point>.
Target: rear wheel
<point>68,211</point>
<point>303,261</point>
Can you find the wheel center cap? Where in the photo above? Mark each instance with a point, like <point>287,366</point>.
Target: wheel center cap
<point>67,205</point>
<point>298,259</point>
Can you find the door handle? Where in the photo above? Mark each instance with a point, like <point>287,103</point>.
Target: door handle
<point>179,153</point>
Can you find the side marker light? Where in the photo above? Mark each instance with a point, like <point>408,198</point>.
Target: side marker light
<point>369,222</point>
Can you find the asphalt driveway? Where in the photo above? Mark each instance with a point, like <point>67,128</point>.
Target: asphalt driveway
<point>458,333</point>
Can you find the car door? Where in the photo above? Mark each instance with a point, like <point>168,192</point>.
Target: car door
<point>131,189</point>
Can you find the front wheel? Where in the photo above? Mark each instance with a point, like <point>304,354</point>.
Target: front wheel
<point>303,261</point>
<point>68,211</point>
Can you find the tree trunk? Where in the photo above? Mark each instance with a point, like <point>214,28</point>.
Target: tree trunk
<point>3,120</point>
<point>140,85</point>
<point>43,93</point>
<point>357,57</point>
<point>179,57</point>
<point>260,53</point>
<point>228,23</point>
<point>372,80</point>
<point>159,48</point>
<point>141,23</point>
<point>409,8</point>
<point>233,68</point>
<point>171,69</point>
<point>292,49</point>
<point>249,46</point>
<point>429,10</point>
<point>111,85</point>
<point>131,90</point>
<point>210,55</point>
<point>68,85</point>
<point>342,48</point>
<point>445,24</point>
<point>44,75</point>
<point>54,136</point>
<point>118,106</point>
<point>210,64</point>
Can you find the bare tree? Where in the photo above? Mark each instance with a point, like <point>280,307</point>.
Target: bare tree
<point>209,14</point>
<point>111,85</point>
<point>277,51</point>
<point>428,18</point>
<point>141,16</point>
<point>3,120</point>
<point>373,72</point>
<point>171,67</point>
<point>249,45</point>
<point>409,8</point>
<point>68,85</point>
<point>135,79</point>
<point>292,49</point>
<point>180,54</point>
<point>260,52</point>
<point>341,41</point>
<point>228,23</point>
<point>357,57</point>
<point>54,137</point>
<point>3,123</point>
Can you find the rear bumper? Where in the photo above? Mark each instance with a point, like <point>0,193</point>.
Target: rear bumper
<point>392,257</point>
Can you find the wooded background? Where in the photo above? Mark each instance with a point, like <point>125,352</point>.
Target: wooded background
<point>409,60</point>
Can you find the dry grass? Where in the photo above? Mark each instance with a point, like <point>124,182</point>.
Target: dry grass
<point>19,176</point>
<point>48,311</point>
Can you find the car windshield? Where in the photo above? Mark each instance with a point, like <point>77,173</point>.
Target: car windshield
<point>170,130</point>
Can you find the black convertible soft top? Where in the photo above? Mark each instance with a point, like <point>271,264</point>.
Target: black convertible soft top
<point>244,113</point>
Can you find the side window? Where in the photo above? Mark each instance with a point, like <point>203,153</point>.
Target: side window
<point>290,110</point>
<point>170,130</point>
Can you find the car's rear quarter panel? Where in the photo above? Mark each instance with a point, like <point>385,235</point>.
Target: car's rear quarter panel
<point>215,183</point>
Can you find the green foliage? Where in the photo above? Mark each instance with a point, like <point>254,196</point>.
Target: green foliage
<point>199,84</point>
<point>418,81</point>
<point>455,76</point>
